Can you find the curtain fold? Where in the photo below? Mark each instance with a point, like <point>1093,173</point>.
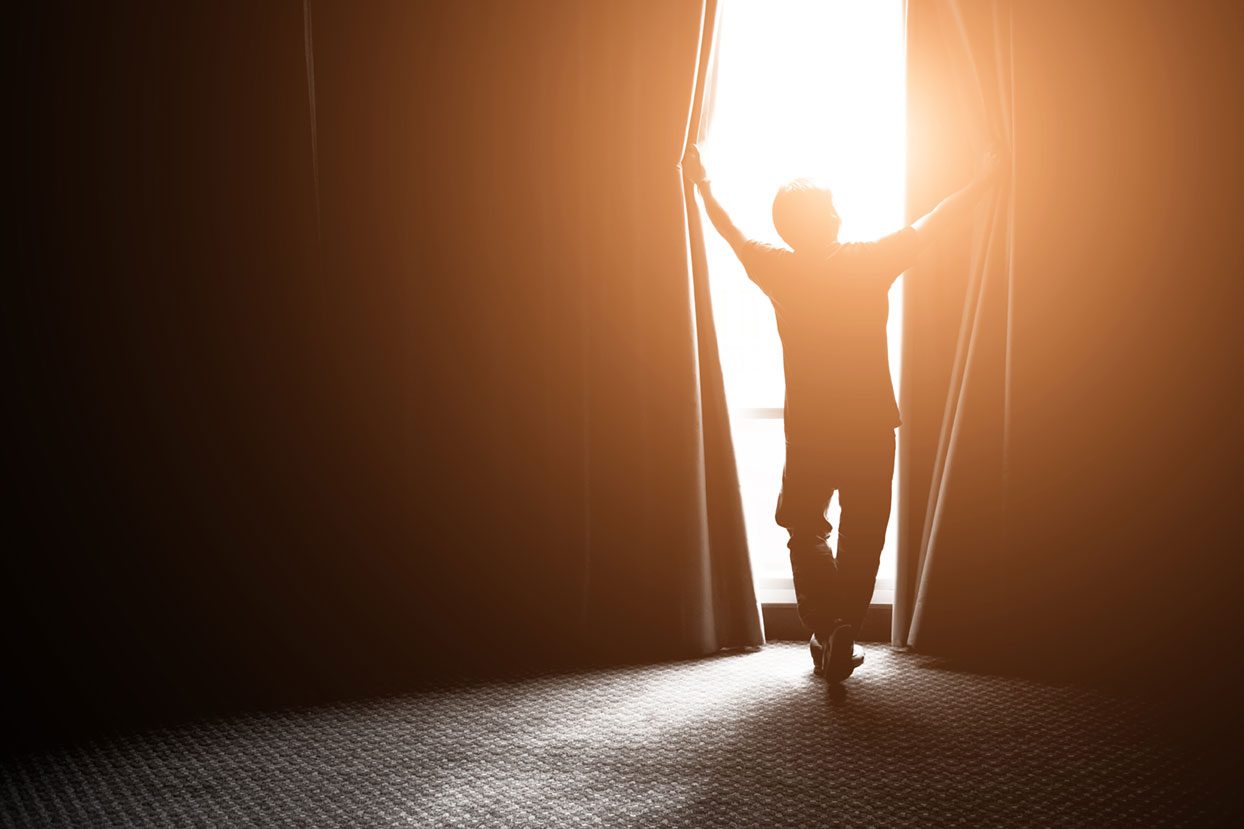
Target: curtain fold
<point>735,615</point>
<point>955,567</point>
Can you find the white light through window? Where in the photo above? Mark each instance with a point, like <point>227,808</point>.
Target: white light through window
<point>804,88</point>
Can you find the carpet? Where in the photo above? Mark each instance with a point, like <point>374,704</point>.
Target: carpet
<point>742,739</point>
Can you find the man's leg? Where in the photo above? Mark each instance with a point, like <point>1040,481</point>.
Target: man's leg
<point>866,481</point>
<point>801,510</point>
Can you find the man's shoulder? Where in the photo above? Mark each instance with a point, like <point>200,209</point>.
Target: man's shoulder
<point>757,248</point>
<point>764,256</point>
<point>764,263</point>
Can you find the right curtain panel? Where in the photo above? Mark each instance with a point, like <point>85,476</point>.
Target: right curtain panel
<point>953,584</point>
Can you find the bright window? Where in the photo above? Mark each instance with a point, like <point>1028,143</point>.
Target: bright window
<point>804,88</point>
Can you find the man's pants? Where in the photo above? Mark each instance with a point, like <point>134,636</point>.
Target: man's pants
<point>861,469</point>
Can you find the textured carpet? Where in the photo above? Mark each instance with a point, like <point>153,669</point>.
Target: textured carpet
<point>751,739</point>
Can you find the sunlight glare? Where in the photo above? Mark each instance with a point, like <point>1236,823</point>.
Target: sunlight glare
<point>803,89</point>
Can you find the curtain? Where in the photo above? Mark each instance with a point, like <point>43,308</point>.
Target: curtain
<point>165,512</point>
<point>357,342</point>
<point>732,603</point>
<point>953,579</point>
<point>1069,473</point>
<point>517,281</point>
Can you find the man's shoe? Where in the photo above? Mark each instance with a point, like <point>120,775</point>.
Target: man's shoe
<point>817,651</point>
<point>840,656</point>
<point>818,655</point>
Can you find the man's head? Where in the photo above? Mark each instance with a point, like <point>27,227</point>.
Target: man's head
<point>804,215</point>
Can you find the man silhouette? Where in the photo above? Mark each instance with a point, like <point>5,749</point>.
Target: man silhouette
<point>831,303</point>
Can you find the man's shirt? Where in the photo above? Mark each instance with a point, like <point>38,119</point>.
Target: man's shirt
<point>831,315</point>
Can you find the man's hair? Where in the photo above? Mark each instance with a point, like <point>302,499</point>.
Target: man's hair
<point>804,214</point>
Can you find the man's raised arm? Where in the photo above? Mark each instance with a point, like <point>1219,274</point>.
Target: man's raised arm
<point>693,169</point>
<point>958,206</point>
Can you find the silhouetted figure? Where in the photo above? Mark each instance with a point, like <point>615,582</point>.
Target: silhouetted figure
<point>831,302</point>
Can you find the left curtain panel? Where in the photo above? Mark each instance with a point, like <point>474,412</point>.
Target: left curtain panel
<point>528,363</point>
